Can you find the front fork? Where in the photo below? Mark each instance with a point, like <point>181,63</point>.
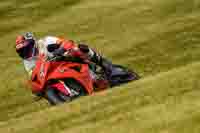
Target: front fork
<point>71,92</point>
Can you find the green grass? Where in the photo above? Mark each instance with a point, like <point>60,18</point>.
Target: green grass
<point>158,39</point>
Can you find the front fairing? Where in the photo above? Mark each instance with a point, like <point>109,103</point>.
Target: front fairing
<point>79,72</point>
<point>46,71</point>
<point>39,75</point>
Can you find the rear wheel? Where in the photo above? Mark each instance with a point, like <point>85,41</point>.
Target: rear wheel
<point>128,72</point>
<point>121,75</point>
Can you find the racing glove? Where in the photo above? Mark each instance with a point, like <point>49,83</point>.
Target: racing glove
<point>83,48</point>
<point>59,52</point>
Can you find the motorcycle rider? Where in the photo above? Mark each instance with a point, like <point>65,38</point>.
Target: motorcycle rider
<point>28,49</point>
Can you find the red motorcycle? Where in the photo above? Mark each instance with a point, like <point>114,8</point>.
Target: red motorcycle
<point>58,80</point>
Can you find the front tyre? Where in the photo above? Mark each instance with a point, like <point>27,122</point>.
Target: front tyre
<point>54,97</point>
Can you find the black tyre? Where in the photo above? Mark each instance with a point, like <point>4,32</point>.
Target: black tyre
<point>135,75</point>
<point>54,97</point>
<point>121,75</point>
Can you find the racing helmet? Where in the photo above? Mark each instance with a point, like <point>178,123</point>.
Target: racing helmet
<point>25,45</point>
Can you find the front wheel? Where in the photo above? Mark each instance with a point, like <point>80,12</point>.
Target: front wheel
<point>55,97</point>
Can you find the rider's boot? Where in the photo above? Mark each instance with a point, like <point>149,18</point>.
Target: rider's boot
<point>103,62</point>
<point>96,58</point>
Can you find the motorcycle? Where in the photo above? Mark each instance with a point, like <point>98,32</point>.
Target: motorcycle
<point>58,80</point>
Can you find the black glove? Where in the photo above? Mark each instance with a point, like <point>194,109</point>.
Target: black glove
<point>59,52</point>
<point>83,47</point>
<point>52,47</point>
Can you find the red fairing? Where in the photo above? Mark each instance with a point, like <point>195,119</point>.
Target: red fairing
<point>46,71</point>
<point>64,70</point>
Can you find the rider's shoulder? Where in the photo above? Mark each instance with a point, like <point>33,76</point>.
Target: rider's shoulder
<point>46,40</point>
<point>49,40</point>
